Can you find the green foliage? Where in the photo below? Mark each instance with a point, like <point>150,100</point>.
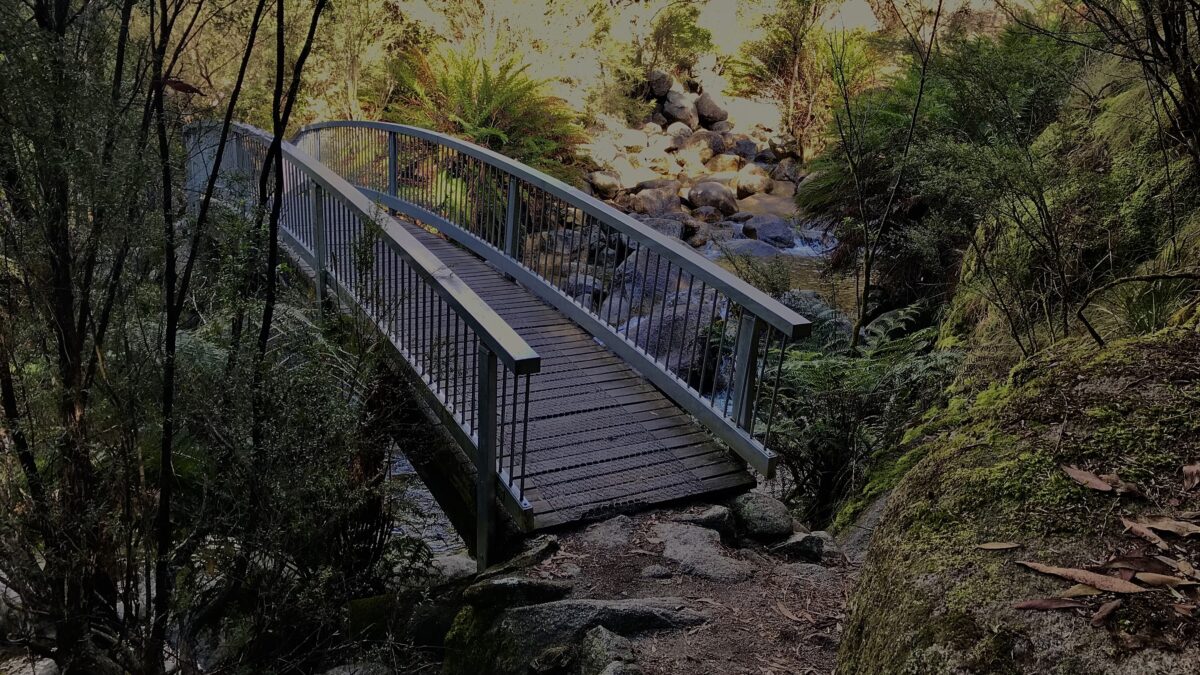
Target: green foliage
<point>789,64</point>
<point>674,42</point>
<point>840,408</point>
<point>498,106</point>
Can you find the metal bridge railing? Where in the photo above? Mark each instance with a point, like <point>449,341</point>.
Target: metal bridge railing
<point>703,336</point>
<point>475,367</point>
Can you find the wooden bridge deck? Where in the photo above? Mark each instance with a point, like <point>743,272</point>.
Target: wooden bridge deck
<point>601,438</point>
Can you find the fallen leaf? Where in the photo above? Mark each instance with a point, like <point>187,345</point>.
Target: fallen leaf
<point>1173,526</point>
<point>999,546</point>
<point>1152,579</point>
<point>785,612</point>
<point>1191,476</point>
<point>1139,563</point>
<point>1049,603</point>
<point>1086,478</point>
<point>1105,610</point>
<point>1189,515</point>
<point>1100,581</point>
<point>1185,610</point>
<point>1144,532</point>
<point>1080,591</point>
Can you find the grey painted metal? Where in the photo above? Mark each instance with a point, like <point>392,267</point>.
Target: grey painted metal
<point>314,190</point>
<point>452,186</point>
<point>320,254</point>
<point>762,305</point>
<point>745,369</point>
<point>761,459</point>
<point>485,458</point>
<point>508,346</point>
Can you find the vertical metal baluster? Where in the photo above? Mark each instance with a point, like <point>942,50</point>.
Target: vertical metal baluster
<point>525,437</point>
<point>486,458</point>
<point>512,443</point>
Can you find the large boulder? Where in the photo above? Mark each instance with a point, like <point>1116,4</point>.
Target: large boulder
<point>717,518</point>
<point>752,179</point>
<point>716,195</point>
<point>813,547</point>
<point>600,649</point>
<point>678,133</point>
<point>681,107</point>
<point>515,591</point>
<point>655,202</point>
<point>678,335</point>
<point>658,82</point>
<point>724,162</point>
<point>744,147</point>
<point>642,278</point>
<point>715,142</point>
<point>762,517</point>
<point>698,552</point>
<point>612,533</point>
<point>671,228</point>
<point>604,184</point>
<point>772,229</point>
<point>929,599</point>
<point>515,641</point>
<point>710,109</point>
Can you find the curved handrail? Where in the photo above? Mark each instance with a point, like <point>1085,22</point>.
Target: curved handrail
<point>475,368</point>
<point>697,332</point>
<point>764,306</point>
<point>509,347</point>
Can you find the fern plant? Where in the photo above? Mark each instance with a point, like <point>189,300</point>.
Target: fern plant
<point>840,407</point>
<point>499,106</point>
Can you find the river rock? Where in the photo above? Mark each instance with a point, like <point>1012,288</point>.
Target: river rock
<point>612,533</point>
<point>722,126</point>
<point>600,648</point>
<point>772,229</point>
<point>710,109</point>
<point>762,517</point>
<point>716,195</point>
<point>605,184</point>
<point>681,107</point>
<point>678,132</point>
<point>658,82</point>
<point>752,179</point>
<point>698,552</point>
<point>716,518</point>
<point>652,129</point>
<point>788,169</point>
<point>703,137</point>
<point>655,202</point>
<point>745,148</point>
<point>724,162</point>
<point>671,228</point>
<point>707,214</point>
<point>813,547</point>
<point>515,591</point>
<point>453,567</point>
<point>658,184</point>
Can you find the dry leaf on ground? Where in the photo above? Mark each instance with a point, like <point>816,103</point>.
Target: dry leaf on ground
<point>1191,476</point>
<point>1086,478</point>
<point>999,545</point>
<point>1152,579</point>
<point>1122,487</point>
<point>1173,526</point>
<point>1144,532</point>
<point>1103,613</point>
<point>1140,563</point>
<point>1050,603</point>
<point>1100,581</point>
<point>1080,591</point>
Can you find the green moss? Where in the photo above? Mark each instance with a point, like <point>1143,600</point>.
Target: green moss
<point>988,470</point>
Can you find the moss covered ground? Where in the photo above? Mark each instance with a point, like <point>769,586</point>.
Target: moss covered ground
<point>988,469</point>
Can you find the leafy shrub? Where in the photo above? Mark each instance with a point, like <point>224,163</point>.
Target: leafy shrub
<point>675,42</point>
<point>838,408</point>
<point>497,106</point>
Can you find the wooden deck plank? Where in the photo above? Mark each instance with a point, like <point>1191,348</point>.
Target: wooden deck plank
<point>600,437</point>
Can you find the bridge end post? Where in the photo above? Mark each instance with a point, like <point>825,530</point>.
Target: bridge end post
<point>511,224</point>
<point>485,460</point>
<point>745,366</point>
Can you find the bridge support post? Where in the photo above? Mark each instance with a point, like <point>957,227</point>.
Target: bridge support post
<point>319,254</point>
<point>745,366</point>
<point>485,460</point>
<point>392,162</point>
<point>511,221</point>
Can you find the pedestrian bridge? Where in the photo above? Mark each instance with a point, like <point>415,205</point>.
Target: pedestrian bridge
<point>586,362</point>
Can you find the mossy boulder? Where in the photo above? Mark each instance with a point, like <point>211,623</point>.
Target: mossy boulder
<point>930,601</point>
